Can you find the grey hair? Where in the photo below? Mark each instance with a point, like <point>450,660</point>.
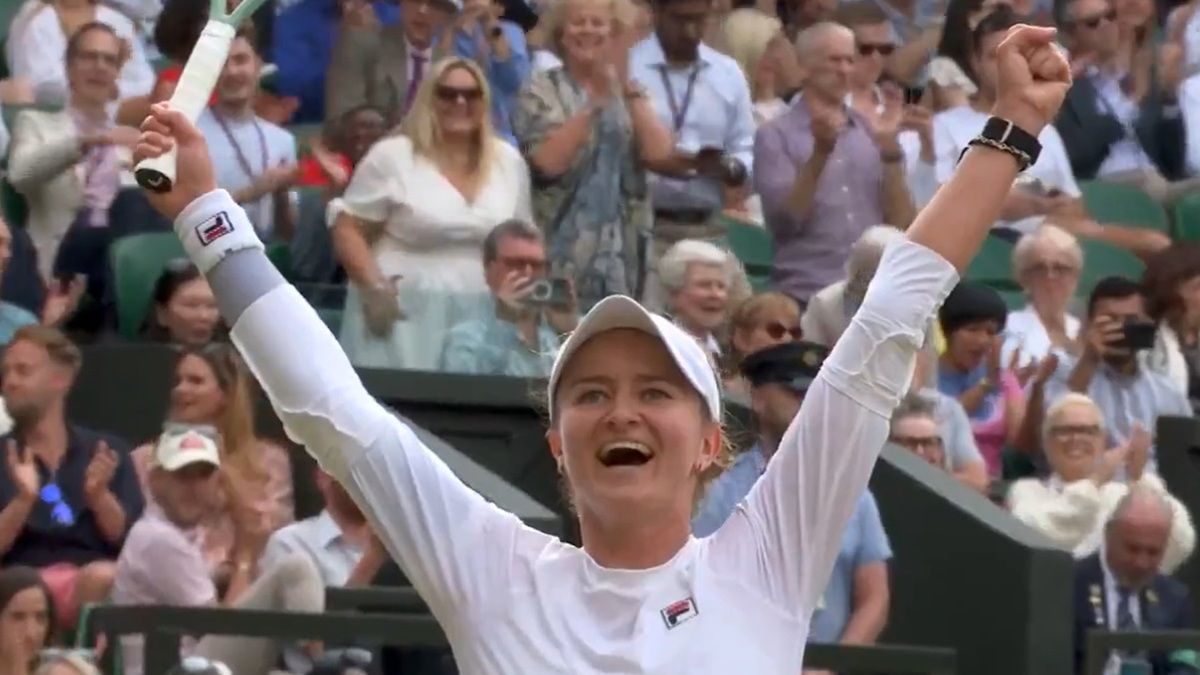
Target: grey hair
<point>1138,495</point>
<point>1067,400</point>
<point>914,405</point>
<point>673,266</point>
<point>514,227</point>
<point>809,39</point>
<point>863,261</point>
<point>1051,236</point>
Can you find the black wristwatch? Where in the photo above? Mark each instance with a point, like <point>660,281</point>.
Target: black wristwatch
<point>1000,134</point>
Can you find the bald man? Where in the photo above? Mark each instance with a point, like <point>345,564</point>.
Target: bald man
<point>1119,588</point>
<point>826,173</point>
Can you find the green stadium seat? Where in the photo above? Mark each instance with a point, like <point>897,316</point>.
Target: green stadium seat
<point>993,265</point>
<point>280,255</point>
<point>137,263</point>
<point>16,209</point>
<point>1124,204</point>
<point>1104,260</point>
<point>1187,218</point>
<point>752,245</point>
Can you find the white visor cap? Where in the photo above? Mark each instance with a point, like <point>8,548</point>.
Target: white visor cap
<point>619,311</point>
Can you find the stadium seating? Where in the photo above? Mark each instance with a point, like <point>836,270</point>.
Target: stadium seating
<point>1187,218</point>
<point>1103,260</point>
<point>752,245</point>
<point>1124,204</point>
<point>993,265</point>
<point>137,262</point>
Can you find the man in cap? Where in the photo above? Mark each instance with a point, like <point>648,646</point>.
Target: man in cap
<point>855,605</point>
<point>162,564</point>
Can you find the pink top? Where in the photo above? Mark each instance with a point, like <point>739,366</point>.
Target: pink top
<point>274,503</point>
<point>991,434</point>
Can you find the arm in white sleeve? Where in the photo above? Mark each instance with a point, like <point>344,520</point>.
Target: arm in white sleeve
<point>446,538</point>
<point>787,534</point>
<point>1066,517</point>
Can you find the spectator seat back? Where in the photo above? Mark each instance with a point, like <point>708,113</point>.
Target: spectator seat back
<point>137,262</point>
<point>1123,204</point>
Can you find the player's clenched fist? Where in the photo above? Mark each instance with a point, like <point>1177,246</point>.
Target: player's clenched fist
<point>163,129</point>
<point>1034,76</point>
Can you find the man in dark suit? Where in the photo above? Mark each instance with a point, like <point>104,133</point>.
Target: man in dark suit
<point>1120,588</point>
<point>1119,122</point>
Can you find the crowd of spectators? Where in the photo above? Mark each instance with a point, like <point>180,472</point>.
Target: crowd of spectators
<point>454,182</point>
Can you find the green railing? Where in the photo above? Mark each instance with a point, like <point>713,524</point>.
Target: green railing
<point>1101,642</point>
<point>407,624</point>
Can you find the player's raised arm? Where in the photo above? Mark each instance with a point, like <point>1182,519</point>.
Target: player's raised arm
<point>411,497</point>
<point>797,512</point>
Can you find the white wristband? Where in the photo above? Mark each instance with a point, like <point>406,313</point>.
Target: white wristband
<point>212,227</point>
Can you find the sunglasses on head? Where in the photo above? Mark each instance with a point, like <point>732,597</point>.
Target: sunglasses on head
<point>777,331</point>
<point>60,511</point>
<point>450,94</point>
<point>867,49</point>
<point>1095,21</point>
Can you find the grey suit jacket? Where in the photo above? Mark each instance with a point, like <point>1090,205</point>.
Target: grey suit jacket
<point>369,66</point>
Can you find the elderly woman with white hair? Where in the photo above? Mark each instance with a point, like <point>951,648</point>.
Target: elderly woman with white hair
<point>1046,263</point>
<point>828,311</point>
<point>697,281</point>
<point>1071,505</point>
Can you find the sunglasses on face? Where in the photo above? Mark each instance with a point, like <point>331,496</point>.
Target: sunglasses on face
<point>919,443</point>
<point>867,49</point>
<point>535,264</point>
<point>1095,21</point>
<point>60,511</point>
<point>449,94</point>
<point>777,331</point>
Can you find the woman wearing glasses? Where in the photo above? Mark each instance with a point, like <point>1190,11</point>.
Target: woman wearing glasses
<point>411,224</point>
<point>1073,503</point>
<point>635,425</point>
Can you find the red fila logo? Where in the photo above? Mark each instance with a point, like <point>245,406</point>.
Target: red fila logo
<point>678,612</point>
<point>214,228</point>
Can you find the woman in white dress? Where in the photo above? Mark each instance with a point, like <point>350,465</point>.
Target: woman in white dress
<point>410,227</point>
<point>1046,263</point>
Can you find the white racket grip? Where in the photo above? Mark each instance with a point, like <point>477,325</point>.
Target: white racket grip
<point>191,96</point>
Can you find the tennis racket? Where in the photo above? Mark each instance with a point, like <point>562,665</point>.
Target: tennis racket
<point>196,84</point>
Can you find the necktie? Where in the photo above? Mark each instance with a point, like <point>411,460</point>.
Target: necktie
<point>1125,620</point>
<point>414,81</point>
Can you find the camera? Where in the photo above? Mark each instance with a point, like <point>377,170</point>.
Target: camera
<point>553,292</point>
<point>1139,335</point>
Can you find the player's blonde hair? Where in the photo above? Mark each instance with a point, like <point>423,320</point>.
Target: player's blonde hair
<point>423,128</point>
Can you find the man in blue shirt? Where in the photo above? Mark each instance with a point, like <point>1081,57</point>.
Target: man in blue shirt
<point>855,605</point>
<point>499,47</point>
<point>517,335</point>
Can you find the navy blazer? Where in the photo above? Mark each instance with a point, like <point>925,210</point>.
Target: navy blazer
<point>1165,605</point>
<point>1089,130</point>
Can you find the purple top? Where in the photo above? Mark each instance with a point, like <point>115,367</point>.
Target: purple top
<point>811,248</point>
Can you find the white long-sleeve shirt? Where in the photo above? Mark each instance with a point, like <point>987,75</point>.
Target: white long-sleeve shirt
<point>515,600</point>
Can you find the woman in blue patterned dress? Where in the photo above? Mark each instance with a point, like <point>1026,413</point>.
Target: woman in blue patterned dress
<point>586,130</point>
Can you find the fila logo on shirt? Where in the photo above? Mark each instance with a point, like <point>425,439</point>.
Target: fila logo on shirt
<point>678,612</point>
<point>214,228</point>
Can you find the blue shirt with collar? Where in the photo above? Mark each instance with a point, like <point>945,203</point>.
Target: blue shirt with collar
<point>719,115</point>
<point>728,490</point>
<point>490,345</point>
<point>505,78</point>
<point>302,40</point>
<point>13,318</point>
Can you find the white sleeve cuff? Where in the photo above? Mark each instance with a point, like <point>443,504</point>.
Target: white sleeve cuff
<point>212,227</point>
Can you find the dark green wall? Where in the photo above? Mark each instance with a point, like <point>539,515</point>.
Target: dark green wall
<point>965,574</point>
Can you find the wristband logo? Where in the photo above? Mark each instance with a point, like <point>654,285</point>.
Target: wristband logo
<point>214,228</point>
<point>678,612</point>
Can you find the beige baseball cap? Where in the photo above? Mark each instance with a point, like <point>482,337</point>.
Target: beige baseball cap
<point>179,446</point>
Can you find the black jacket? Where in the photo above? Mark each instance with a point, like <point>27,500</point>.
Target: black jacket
<point>1164,604</point>
<point>1089,130</point>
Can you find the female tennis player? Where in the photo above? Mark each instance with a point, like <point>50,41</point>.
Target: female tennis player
<point>634,422</point>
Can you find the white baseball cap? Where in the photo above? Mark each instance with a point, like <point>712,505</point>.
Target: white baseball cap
<point>183,445</point>
<point>619,311</point>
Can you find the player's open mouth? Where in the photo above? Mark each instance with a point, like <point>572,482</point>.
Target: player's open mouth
<point>624,453</point>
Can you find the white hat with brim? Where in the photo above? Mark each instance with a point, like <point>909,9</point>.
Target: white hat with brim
<point>179,448</point>
<point>619,311</point>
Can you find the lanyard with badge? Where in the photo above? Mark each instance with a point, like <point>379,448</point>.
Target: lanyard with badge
<point>237,147</point>
<point>679,110</point>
